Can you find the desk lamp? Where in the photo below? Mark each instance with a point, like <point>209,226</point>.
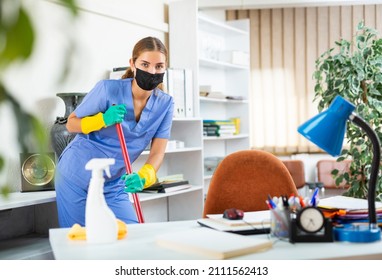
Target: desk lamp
<point>327,130</point>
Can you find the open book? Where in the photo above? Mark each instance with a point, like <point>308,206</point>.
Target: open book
<point>211,243</point>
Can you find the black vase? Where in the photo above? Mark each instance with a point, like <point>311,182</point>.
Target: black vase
<point>59,135</point>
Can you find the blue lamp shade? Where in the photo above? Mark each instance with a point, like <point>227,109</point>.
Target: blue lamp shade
<point>327,129</point>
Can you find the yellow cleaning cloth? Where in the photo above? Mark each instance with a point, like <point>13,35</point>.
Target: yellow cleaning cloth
<point>78,232</point>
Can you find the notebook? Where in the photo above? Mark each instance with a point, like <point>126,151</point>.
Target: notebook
<point>256,222</point>
<point>250,218</point>
<point>212,243</point>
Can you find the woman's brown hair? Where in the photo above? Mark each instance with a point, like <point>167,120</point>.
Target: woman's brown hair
<point>147,44</point>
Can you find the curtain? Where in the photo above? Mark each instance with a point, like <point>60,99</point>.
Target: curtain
<point>284,45</point>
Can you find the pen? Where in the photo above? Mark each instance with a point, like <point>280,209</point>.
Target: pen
<point>302,203</point>
<point>285,201</point>
<point>271,203</point>
<point>314,197</point>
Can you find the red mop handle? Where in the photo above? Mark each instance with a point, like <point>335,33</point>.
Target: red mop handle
<point>129,170</point>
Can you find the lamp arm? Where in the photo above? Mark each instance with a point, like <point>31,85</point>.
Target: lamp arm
<point>374,165</point>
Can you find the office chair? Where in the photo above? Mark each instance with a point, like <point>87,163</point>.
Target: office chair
<point>324,172</point>
<point>244,179</point>
<point>297,171</point>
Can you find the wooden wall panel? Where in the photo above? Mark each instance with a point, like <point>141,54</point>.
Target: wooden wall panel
<point>378,18</point>
<point>313,43</point>
<point>285,44</point>
<point>289,81</point>
<point>266,75</point>
<point>300,28</point>
<point>369,15</point>
<point>279,111</point>
<point>256,96</point>
<point>357,16</point>
<point>334,25</point>
<point>346,22</point>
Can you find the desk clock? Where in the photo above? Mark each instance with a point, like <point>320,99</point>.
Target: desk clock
<point>310,225</point>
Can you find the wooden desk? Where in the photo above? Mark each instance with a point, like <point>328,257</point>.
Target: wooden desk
<point>140,245</point>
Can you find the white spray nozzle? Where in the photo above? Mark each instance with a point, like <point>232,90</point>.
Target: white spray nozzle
<point>98,165</point>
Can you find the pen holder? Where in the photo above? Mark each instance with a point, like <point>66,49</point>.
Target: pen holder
<point>280,223</point>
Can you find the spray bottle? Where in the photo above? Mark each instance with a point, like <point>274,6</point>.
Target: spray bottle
<point>100,221</point>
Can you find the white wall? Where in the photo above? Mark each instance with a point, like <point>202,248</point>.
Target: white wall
<point>103,35</point>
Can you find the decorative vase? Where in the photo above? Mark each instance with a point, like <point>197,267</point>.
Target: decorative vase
<point>59,135</point>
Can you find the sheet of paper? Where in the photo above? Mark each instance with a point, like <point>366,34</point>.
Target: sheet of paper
<point>346,203</point>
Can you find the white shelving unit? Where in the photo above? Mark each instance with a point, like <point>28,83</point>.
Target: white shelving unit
<point>180,205</point>
<point>201,43</point>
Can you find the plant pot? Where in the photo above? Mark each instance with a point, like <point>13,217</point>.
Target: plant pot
<point>59,135</point>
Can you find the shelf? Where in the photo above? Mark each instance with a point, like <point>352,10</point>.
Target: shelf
<point>18,199</point>
<point>152,196</point>
<point>214,138</point>
<point>206,62</point>
<point>207,177</point>
<point>219,100</point>
<point>212,26</point>
<point>186,119</point>
<point>183,150</point>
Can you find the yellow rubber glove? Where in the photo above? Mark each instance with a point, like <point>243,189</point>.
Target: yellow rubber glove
<point>147,172</point>
<point>113,115</point>
<point>92,123</point>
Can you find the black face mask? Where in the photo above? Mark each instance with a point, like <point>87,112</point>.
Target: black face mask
<point>146,80</point>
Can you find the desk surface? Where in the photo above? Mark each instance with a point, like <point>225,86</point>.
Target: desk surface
<point>19,199</point>
<point>140,245</point>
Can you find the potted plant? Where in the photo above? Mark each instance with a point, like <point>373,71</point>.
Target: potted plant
<point>353,70</point>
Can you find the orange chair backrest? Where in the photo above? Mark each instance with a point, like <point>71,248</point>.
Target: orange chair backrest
<point>244,179</point>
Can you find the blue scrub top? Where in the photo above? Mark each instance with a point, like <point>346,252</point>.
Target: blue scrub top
<point>155,122</point>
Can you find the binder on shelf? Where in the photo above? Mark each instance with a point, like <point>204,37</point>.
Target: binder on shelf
<point>117,73</point>
<point>189,93</point>
<point>175,87</point>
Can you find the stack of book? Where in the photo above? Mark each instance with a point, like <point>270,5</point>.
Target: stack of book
<point>168,186</point>
<point>344,210</point>
<point>219,128</point>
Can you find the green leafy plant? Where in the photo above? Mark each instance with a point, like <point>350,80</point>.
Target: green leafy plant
<point>17,38</point>
<point>353,70</point>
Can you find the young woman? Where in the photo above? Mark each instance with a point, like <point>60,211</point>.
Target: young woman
<point>145,113</point>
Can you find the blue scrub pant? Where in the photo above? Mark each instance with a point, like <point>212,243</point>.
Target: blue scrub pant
<point>71,201</point>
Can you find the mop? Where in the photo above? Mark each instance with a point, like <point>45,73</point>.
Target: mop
<point>129,170</point>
